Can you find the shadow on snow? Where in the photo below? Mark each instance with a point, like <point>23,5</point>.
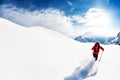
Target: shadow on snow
<point>87,69</point>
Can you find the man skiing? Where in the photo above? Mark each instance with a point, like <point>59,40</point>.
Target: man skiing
<point>96,49</point>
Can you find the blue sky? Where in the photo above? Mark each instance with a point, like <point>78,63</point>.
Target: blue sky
<point>65,5</point>
<point>79,6</point>
<point>78,14</point>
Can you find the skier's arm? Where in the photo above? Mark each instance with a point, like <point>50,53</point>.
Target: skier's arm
<point>101,48</point>
<point>92,48</point>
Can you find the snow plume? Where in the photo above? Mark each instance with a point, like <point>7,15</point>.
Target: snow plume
<point>86,69</point>
<point>49,18</point>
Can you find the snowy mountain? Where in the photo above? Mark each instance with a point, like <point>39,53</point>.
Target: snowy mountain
<point>111,40</point>
<point>90,39</point>
<point>114,40</point>
<point>42,54</point>
<point>102,40</point>
<point>118,38</point>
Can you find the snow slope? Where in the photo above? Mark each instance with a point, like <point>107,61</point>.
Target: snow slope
<point>42,54</point>
<point>36,53</point>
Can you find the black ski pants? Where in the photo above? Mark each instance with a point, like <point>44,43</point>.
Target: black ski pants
<point>95,56</point>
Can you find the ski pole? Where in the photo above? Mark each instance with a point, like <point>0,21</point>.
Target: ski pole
<point>101,56</point>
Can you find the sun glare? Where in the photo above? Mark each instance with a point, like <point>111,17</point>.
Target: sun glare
<point>98,23</point>
<point>98,18</point>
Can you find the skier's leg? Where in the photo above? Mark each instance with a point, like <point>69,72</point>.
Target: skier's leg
<point>95,56</point>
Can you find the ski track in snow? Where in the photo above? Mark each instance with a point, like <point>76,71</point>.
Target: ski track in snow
<point>87,68</point>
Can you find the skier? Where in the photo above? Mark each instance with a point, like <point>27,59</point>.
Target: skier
<point>96,49</point>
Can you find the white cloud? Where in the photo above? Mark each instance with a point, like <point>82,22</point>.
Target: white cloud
<point>48,18</point>
<point>95,21</point>
<point>97,17</point>
<point>69,3</point>
<point>78,19</point>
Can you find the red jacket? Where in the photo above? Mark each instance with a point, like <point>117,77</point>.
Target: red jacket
<point>97,52</point>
